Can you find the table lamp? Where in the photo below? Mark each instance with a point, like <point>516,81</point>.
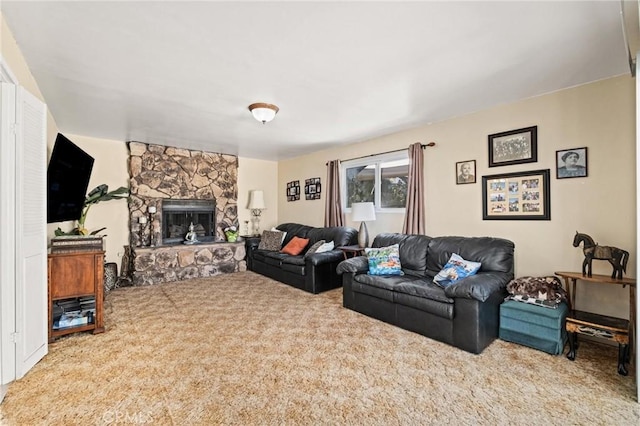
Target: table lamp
<point>256,205</point>
<point>362,212</point>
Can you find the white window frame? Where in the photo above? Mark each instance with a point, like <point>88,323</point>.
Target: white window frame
<point>376,160</point>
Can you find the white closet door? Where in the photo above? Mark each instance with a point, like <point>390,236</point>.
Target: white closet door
<point>31,232</point>
<point>7,242</point>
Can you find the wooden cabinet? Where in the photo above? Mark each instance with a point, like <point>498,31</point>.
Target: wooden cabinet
<point>75,277</point>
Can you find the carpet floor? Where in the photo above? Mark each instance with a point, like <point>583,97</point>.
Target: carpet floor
<point>243,349</point>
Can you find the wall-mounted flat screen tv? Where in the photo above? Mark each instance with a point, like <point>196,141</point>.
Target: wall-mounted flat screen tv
<point>67,180</point>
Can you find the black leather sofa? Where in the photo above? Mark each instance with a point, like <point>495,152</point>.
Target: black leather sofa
<point>465,314</point>
<point>314,273</point>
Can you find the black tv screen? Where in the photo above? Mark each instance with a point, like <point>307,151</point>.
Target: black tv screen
<point>67,180</point>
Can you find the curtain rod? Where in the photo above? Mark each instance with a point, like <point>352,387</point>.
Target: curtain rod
<point>430,144</point>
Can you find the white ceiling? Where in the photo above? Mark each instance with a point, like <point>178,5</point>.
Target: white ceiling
<point>183,74</point>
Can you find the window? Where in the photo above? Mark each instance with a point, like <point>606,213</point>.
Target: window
<point>381,179</point>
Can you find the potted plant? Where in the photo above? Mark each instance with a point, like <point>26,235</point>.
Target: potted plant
<point>96,195</point>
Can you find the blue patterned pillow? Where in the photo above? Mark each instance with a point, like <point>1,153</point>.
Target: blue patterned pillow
<point>384,260</point>
<point>456,269</point>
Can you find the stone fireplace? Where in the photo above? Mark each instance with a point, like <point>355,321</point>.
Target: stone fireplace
<point>182,186</point>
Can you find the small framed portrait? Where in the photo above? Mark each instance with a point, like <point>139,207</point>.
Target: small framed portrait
<point>465,172</point>
<point>513,147</point>
<point>571,163</point>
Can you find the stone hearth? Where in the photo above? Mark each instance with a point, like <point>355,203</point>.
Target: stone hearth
<point>154,265</point>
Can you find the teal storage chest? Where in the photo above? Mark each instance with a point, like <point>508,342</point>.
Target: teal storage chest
<point>538,327</point>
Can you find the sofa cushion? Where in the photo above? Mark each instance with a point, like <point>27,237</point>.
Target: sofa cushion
<point>326,247</point>
<point>495,254</point>
<point>340,235</point>
<point>293,230</point>
<point>423,288</point>
<point>456,269</point>
<point>380,287</point>
<point>314,248</point>
<point>295,246</point>
<point>384,260</point>
<point>270,240</point>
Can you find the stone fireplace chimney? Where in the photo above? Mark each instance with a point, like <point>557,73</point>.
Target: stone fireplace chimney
<point>171,188</point>
<point>160,175</point>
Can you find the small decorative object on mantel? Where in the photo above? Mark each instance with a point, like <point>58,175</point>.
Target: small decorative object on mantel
<point>231,233</point>
<point>312,188</point>
<point>191,237</point>
<point>616,257</point>
<point>293,190</point>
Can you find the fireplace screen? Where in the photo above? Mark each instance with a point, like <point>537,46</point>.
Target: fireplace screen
<point>177,215</point>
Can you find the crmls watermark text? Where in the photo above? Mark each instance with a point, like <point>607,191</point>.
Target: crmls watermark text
<point>117,416</point>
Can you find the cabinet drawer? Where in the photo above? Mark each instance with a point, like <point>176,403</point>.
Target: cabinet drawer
<point>73,275</point>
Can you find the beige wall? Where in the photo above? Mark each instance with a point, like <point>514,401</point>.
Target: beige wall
<point>13,57</point>
<point>600,116</point>
<point>262,175</point>
<point>110,168</point>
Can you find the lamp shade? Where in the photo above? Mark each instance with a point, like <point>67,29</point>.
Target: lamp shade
<point>263,112</point>
<point>363,211</point>
<point>256,199</point>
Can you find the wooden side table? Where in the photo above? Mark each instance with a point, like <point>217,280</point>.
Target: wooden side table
<point>616,329</point>
<point>251,242</point>
<point>351,251</point>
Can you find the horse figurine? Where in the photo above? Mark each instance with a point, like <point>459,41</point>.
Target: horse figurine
<point>616,257</point>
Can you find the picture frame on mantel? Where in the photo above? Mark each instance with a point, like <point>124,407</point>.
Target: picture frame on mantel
<point>513,147</point>
<point>517,196</point>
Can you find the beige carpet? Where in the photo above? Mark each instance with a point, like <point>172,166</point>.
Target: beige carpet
<point>243,349</point>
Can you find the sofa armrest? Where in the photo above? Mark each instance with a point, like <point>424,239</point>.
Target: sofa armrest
<point>325,257</point>
<point>354,265</point>
<point>480,286</point>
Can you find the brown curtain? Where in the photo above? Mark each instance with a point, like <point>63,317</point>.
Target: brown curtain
<point>415,215</point>
<point>333,215</point>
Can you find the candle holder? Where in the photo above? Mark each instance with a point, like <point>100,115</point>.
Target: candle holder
<point>152,211</point>
<point>142,223</point>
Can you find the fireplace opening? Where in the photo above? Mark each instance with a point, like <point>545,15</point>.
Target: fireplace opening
<point>177,215</point>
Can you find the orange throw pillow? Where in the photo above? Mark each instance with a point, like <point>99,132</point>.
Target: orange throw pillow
<point>295,246</point>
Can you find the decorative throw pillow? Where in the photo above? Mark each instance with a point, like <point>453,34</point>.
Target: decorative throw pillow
<point>314,248</point>
<point>295,246</point>
<point>384,260</point>
<point>456,269</point>
<point>270,240</point>
<point>284,234</point>
<point>326,247</point>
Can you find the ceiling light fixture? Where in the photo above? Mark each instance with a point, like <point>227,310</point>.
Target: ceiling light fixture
<point>263,112</point>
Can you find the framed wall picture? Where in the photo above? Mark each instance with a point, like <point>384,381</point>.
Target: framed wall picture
<point>571,163</point>
<point>513,147</point>
<point>293,190</point>
<point>312,188</point>
<point>465,172</point>
<point>517,196</point>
